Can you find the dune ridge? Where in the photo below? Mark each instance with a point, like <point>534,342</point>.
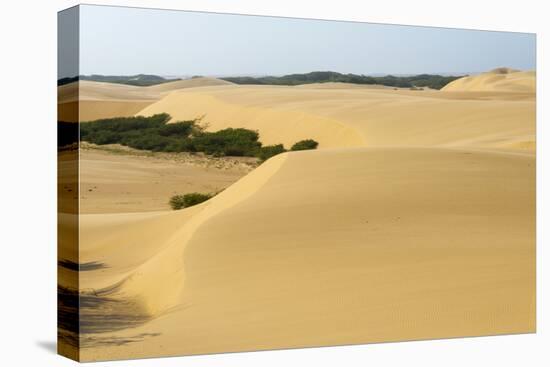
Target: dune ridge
<point>125,287</point>
<point>163,266</point>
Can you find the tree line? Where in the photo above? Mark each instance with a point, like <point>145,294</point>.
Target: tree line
<point>414,81</point>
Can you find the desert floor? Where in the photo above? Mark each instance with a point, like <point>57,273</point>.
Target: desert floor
<point>415,219</point>
<point>118,180</point>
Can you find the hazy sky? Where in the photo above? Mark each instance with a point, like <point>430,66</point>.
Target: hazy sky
<point>125,41</point>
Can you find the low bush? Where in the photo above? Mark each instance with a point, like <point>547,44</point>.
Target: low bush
<point>228,142</point>
<point>305,145</point>
<point>264,153</point>
<point>185,201</point>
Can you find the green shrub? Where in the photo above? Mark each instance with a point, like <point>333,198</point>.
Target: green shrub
<point>106,137</point>
<point>183,145</point>
<point>137,132</point>
<point>180,129</point>
<point>155,134</point>
<point>305,145</point>
<point>228,142</point>
<point>264,153</point>
<point>185,201</point>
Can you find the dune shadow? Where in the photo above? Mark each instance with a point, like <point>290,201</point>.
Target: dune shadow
<point>89,266</point>
<point>100,341</point>
<point>85,314</point>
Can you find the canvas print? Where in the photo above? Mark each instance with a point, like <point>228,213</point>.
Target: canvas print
<point>241,183</point>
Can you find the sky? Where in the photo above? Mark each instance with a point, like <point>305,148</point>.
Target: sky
<point>127,41</point>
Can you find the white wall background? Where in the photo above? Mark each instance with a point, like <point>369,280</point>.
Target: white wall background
<point>28,178</point>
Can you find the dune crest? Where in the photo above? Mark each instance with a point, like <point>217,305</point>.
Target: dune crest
<point>165,263</point>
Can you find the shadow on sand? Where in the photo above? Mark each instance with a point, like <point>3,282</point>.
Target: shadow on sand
<point>83,316</point>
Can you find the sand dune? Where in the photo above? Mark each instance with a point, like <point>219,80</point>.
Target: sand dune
<point>103,100</point>
<point>360,116</point>
<point>95,109</point>
<point>90,90</point>
<point>99,91</point>
<point>416,243</point>
<point>188,83</point>
<point>499,80</point>
<point>414,220</point>
<point>87,100</point>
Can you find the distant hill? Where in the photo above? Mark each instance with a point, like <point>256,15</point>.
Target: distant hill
<point>138,80</point>
<point>421,80</point>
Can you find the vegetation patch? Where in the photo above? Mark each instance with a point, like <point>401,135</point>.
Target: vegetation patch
<point>269,151</point>
<point>185,201</point>
<point>155,134</point>
<point>305,145</point>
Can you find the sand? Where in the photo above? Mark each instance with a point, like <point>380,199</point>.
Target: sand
<point>416,243</point>
<point>113,181</point>
<point>415,219</point>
